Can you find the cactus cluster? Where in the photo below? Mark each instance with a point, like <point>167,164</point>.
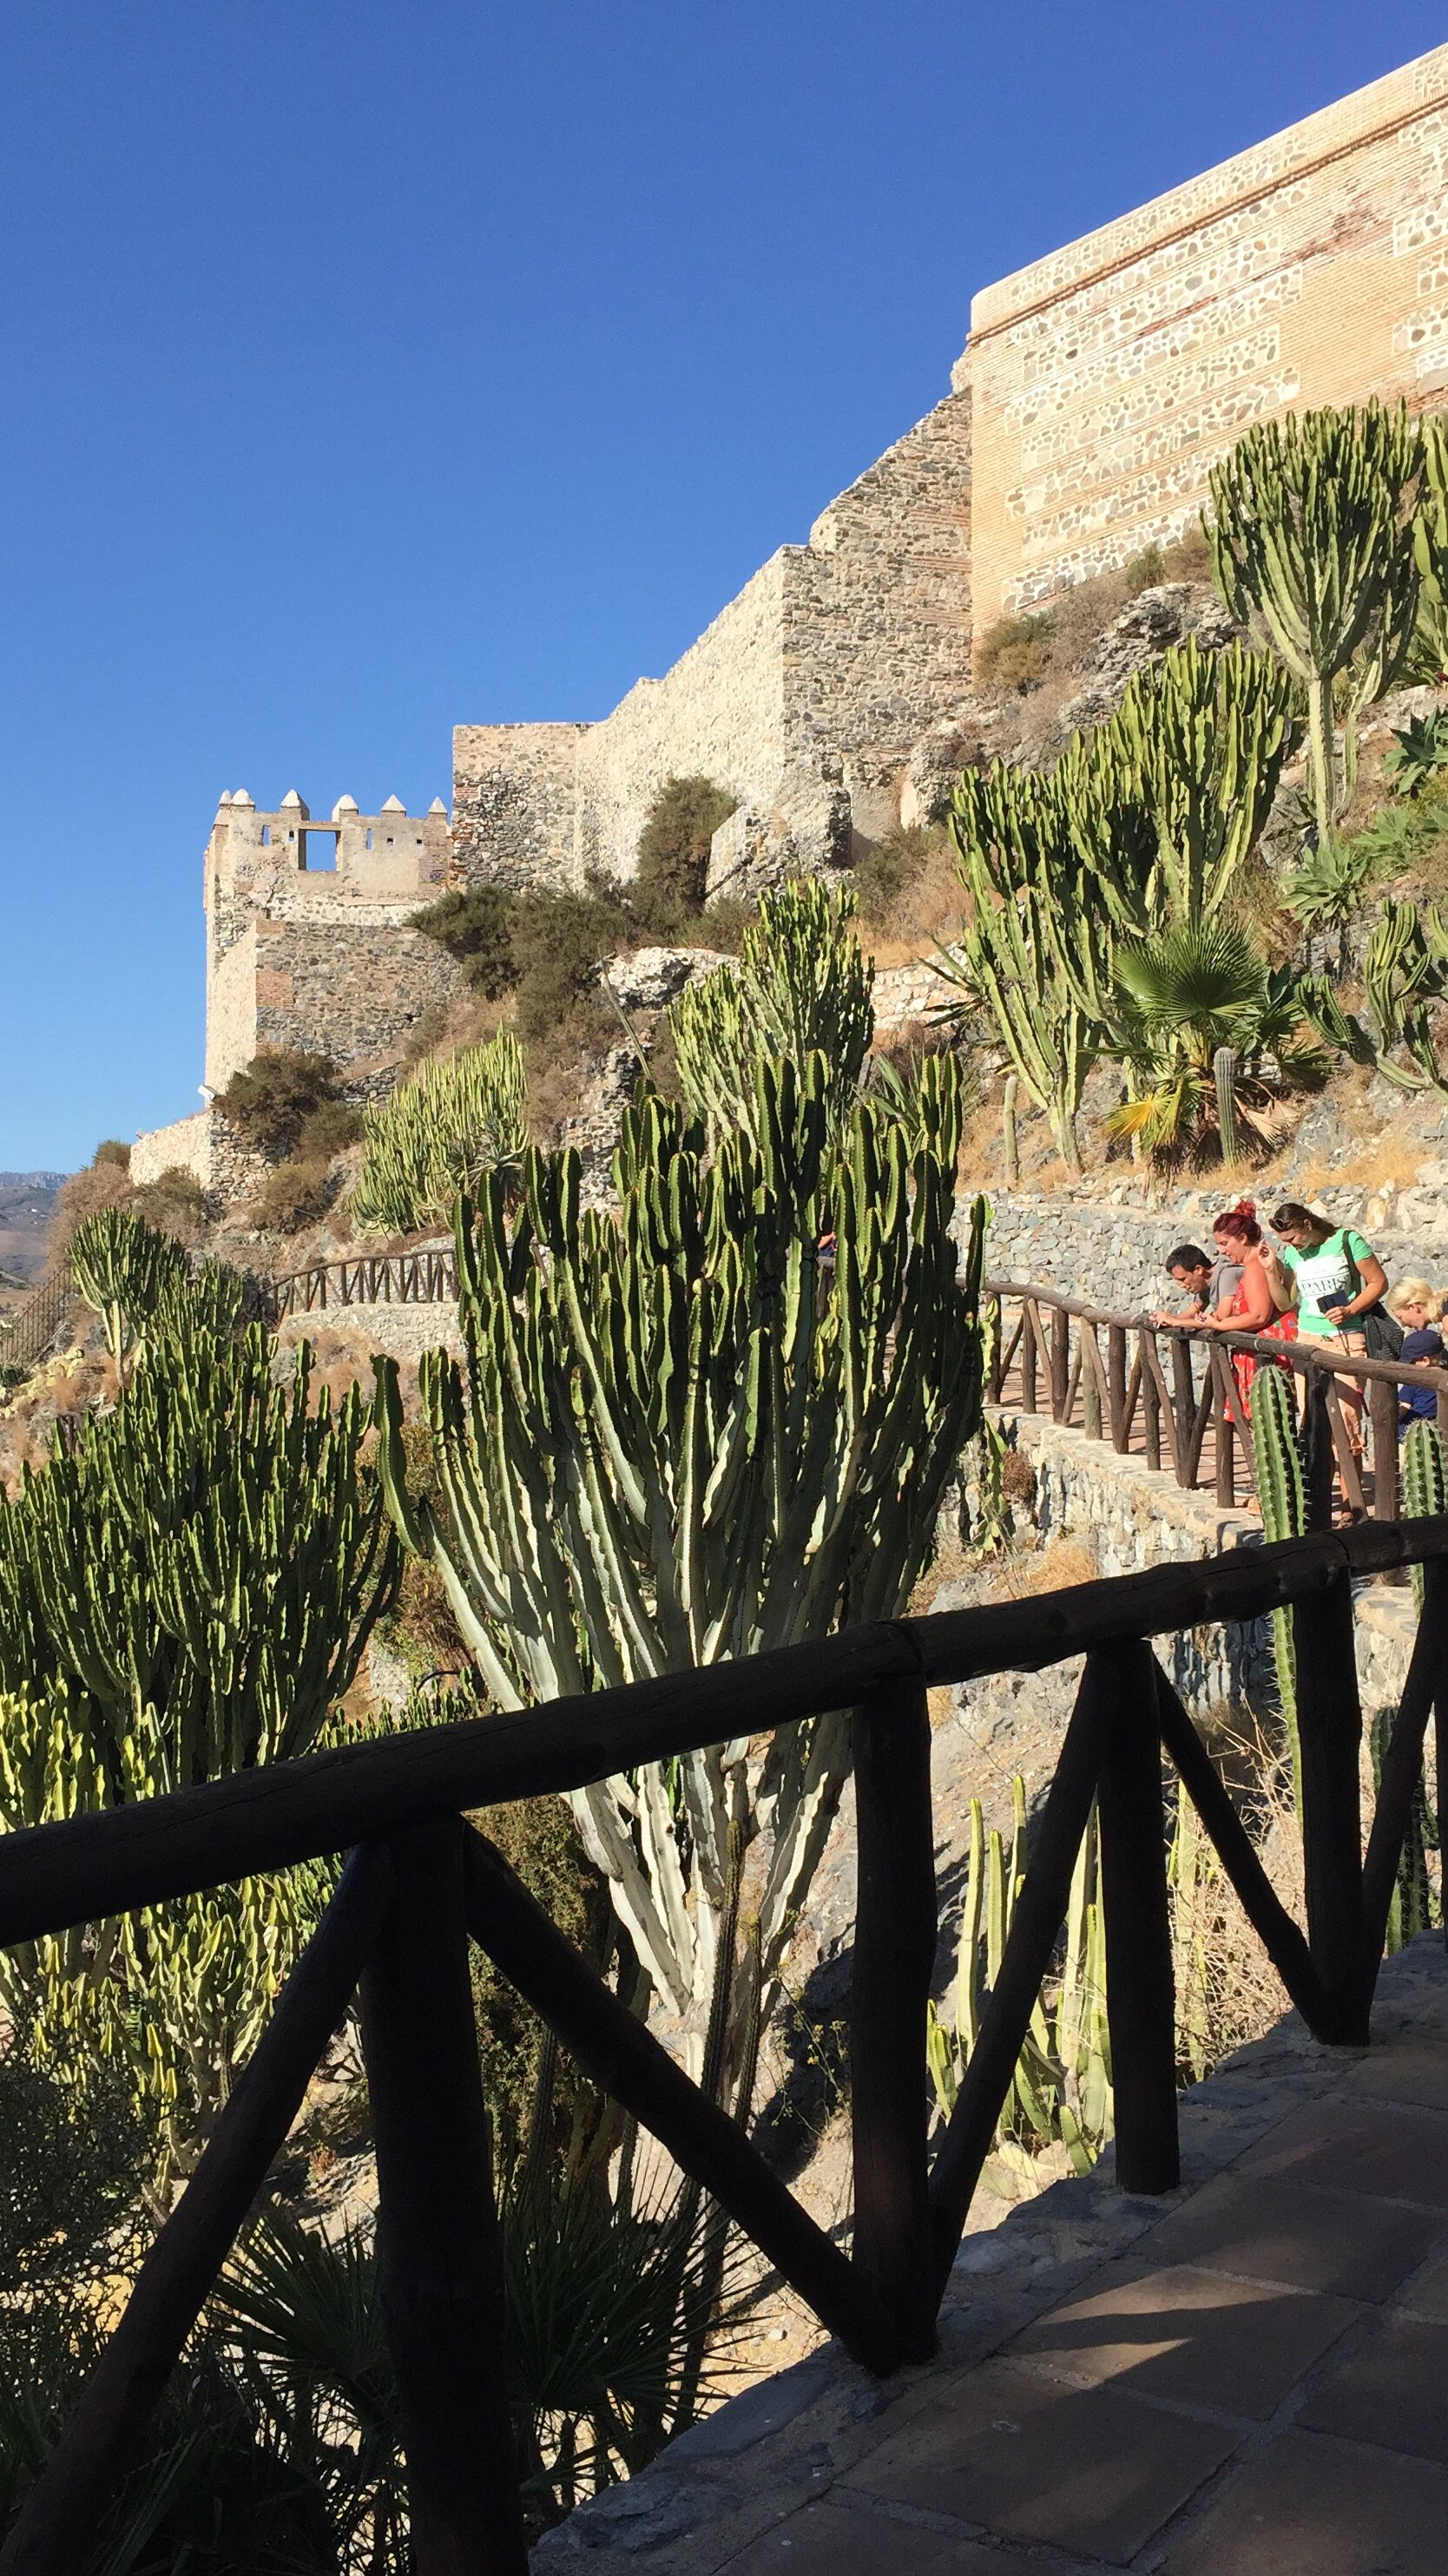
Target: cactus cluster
<point>1060,2093</point>
<point>1281,1480</point>
<point>1141,829</point>
<point>801,987</point>
<point>438,1134</point>
<point>185,1591</point>
<point>680,1436</point>
<point>1405,972</point>
<point>1307,532</point>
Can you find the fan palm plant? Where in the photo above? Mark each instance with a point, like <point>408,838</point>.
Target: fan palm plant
<point>1180,1001</point>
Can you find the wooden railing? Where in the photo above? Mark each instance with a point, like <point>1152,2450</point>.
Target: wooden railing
<point>24,1335</point>
<point>421,1882</point>
<point>1167,1393</point>
<point>426,1277</point>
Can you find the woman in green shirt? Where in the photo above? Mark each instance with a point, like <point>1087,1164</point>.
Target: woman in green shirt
<point>1331,1275</point>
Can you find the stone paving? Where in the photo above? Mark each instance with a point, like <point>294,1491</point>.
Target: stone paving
<point>1247,2379</point>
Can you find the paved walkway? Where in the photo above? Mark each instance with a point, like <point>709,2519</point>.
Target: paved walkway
<point>1249,2380</point>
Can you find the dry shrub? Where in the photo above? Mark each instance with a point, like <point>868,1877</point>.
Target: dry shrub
<point>1228,1992</point>
<point>926,910</point>
<point>1052,1568</point>
<point>291,1195</point>
<point>100,1185</point>
<point>176,1202</point>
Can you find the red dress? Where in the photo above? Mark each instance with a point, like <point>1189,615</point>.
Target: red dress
<point>1245,1364</point>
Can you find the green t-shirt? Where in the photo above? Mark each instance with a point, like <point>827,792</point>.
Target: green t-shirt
<point>1321,1273</point>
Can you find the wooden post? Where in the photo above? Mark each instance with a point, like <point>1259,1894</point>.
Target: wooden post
<point>1185,1403</point>
<point>1140,1990</point>
<point>1116,1383</point>
<point>1092,1373</point>
<point>1030,1329</point>
<point>1150,1399</point>
<point>1383,1414</point>
<point>1317,1451</point>
<point>895,1936</point>
<point>996,1315</point>
<point>437,2224</point>
<point>1226,1437</point>
<point>56,2528</point>
<point>1329,1729</point>
<point>1060,1360</point>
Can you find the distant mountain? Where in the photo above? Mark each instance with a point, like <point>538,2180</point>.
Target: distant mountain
<point>27,1204</point>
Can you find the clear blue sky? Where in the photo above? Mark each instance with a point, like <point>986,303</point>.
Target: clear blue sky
<point>374,365</point>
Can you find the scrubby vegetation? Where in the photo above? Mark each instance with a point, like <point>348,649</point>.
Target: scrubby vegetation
<point>439,1134</point>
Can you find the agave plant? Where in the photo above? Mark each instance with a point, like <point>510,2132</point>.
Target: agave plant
<point>1405,973</point>
<point>679,1437</point>
<point>1180,1001</point>
<point>801,987</point>
<point>1419,753</point>
<point>1331,882</point>
<point>438,1134</point>
<point>1311,541</point>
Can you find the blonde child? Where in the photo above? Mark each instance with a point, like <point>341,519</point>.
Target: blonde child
<point>1418,1308</point>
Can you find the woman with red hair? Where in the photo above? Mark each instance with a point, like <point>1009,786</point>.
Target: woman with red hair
<point>1253,1307</point>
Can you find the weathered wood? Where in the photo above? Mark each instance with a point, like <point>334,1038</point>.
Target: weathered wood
<point>1116,1385</point>
<point>1039,1914</point>
<point>438,2240</point>
<point>1094,1408</point>
<point>1029,1350</point>
<point>894,1955</point>
<point>1140,1991</point>
<point>1223,1437</point>
<point>1347,1459</point>
<point>624,2059</point>
<point>1281,1938</point>
<point>1153,1410</point>
<point>1060,1359</point>
<point>1425,1688</point>
<point>1317,1455</point>
<point>56,2527</point>
<point>1187,1446</point>
<point>1383,1414</point>
<point>1329,1729</point>
<point>94,1866</point>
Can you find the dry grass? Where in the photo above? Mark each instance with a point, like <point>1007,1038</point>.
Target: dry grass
<point>1052,1568</point>
<point>928,911</point>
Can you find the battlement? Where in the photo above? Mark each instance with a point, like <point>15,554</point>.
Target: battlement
<point>273,857</point>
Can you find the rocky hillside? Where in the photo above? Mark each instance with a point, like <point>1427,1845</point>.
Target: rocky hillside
<point>27,1202</point>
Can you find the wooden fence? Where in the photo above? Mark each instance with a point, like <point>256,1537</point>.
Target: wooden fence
<point>426,1277</point>
<point>421,1882</point>
<point>1168,1394</point>
<point>25,1335</point>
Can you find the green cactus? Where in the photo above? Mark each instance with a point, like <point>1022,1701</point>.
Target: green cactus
<point>1224,1077</point>
<point>1411,1908</point>
<point>1060,2092</point>
<point>1198,744</point>
<point>184,1593</point>
<point>437,1134</point>
<point>1310,539</point>
<point>801,987</point>
<point>1010,1140</point>
<point>679,1438</point>
<point>1277,1467</point>
<point>1430,550</point>
<point>123,1269</point>
<point>1405,972</point>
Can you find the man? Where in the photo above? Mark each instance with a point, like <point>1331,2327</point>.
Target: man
<point>1204,1283</point>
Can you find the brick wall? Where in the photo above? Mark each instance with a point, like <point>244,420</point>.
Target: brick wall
<point>1107,378</point>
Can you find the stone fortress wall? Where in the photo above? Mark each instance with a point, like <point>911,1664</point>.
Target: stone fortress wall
<point>802,698</point>
<point>1108,378</point>
<point>1097,388</point>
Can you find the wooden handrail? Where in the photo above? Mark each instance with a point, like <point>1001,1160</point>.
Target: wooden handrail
<point>421,1882</point>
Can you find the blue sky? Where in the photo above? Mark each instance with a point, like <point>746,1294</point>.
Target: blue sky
<point>374,365</point>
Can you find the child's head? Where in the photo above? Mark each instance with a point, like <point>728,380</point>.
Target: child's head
<point>1414,1304</point>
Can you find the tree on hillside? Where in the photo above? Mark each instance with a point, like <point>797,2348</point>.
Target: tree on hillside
<point>673,856</point>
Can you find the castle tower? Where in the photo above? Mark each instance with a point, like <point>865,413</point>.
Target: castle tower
<point>307,943</point>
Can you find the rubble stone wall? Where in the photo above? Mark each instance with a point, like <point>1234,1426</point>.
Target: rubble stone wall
<point>1107,378</point>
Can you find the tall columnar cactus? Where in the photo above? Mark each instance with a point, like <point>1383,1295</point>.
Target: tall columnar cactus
<point>1009,1137</point>
<point>1405,972</point>
<point>1198,743</point>
<point>1430,547</point>
<point>801,987</point>
<point>1311,541</point>
<point>124,1269</point>
<point>1281,1480</point>
<point>437,1135</point>
<point>1224,1076</point>
<point>1060,2092</point>
<point>185,1593</point>
<point>680,1438</point>
<point>1411,1907</point>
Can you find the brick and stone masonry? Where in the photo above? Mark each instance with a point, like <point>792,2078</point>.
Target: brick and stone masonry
<point>1097,388</point>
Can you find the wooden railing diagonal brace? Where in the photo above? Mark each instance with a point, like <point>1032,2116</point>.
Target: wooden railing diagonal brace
<point>623,2057</point>
<point>1425,1688</point>
<point>1039,1914</point>
<point>56,2529</point>
<point>1329,1730</point>
<point>1283,1940</point>
<point>437,2221</point>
